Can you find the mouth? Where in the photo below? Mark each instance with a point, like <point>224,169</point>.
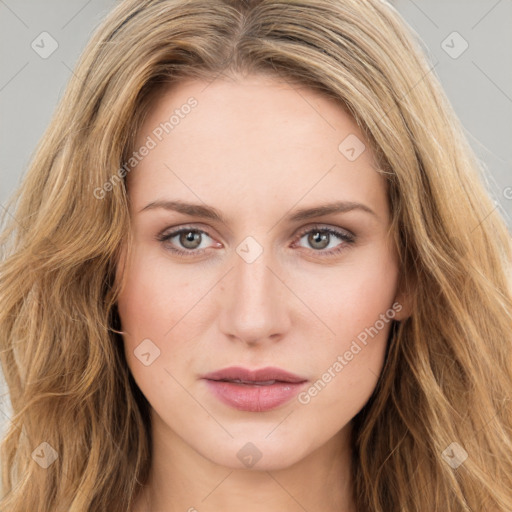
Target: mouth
<point>254,390</point>
<point>250,382</point>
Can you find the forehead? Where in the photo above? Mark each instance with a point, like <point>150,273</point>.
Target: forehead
<point>258,138</point>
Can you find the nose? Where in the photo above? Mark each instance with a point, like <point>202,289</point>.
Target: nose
<point>256,302</point>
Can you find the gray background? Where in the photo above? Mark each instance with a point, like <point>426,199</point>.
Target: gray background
<point>478,81</point>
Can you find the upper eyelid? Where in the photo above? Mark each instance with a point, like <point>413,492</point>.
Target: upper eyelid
<point>322,227</point>
<point>179,229</point>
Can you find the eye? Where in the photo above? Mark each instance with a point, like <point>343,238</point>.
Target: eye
<point>320,238</point>
<point>187,241</point>
<point>190,239</point>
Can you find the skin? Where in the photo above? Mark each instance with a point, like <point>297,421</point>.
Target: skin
<point>256,149</point>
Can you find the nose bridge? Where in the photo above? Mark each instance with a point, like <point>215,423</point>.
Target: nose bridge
<point>256,306</point>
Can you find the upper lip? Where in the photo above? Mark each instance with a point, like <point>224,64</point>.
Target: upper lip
<point>258,375</point>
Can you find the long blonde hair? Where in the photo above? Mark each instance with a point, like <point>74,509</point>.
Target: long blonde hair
<point>446,386</point>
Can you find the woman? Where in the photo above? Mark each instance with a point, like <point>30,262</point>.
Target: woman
<point>252,265</point>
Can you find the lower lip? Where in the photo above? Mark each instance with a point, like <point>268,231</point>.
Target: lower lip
<point>245,397</point>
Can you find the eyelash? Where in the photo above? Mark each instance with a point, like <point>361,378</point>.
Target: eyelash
<point>348,239</point>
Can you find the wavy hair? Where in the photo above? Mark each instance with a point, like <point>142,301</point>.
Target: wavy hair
<point>447,376</point>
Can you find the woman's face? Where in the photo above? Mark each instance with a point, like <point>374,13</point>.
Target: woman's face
<point>264,274</point>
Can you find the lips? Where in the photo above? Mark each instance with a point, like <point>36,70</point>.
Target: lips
<point>262,376</point>
<point>254,390</point>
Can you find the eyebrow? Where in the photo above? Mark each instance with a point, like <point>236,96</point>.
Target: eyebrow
<point>208,212</point>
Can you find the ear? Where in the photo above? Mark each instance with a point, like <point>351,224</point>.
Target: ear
<point>404,300</point>
<point>120,264</point>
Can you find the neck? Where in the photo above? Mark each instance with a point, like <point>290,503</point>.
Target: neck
<point>181,479</point>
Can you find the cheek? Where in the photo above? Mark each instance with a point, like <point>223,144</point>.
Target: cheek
<point>357,305</point>
<point>351,297</point>
<point>149,307</point>
<point>153,307</point>
<point>169,306</point>
<point>153,298</point>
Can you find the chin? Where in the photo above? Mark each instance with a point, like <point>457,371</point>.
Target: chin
<point>256,453</point>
